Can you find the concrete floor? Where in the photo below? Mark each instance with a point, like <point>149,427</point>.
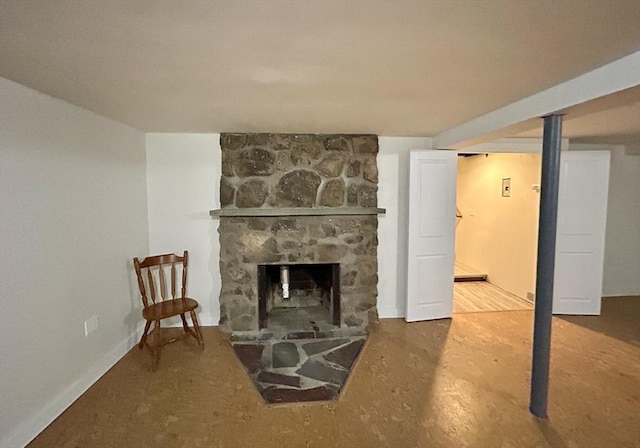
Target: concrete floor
<point>449,383</point>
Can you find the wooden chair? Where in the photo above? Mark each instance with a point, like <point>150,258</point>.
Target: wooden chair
<point>163,306</point>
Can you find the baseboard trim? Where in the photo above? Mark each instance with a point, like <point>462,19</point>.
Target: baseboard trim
<point>390,313</point>
<point>34,425</point>
<point>204,321</point>
<point>209,321</point>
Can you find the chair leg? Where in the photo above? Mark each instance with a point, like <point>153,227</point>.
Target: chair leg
<point>143,339</point>
<point>184,323</point>
<point>156,351</point>
<point>189,330</point>
<point>196,326</point>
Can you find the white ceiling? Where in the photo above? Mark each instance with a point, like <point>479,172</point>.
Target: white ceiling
<point>412,68</point>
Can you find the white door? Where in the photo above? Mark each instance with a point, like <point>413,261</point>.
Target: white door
<point>432,215</point>
<point>582,214</point>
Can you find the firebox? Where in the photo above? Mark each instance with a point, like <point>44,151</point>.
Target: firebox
<point>299,295</point>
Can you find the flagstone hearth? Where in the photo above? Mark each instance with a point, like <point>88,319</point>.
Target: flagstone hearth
<point>301,370</point>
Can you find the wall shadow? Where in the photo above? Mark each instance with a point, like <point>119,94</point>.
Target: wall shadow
<point>391,391</point>
<point>619,319</point>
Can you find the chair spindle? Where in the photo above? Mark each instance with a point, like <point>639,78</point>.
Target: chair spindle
<point>152,289</point>
<point>173,280</point>
<point>163,283</point>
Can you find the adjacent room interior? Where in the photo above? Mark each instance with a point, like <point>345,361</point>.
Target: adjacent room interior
<point>496,231</point>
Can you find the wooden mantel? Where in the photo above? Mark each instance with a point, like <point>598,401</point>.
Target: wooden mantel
<point>298,211</point>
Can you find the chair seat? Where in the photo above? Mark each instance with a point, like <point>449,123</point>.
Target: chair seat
<point>169,308</point>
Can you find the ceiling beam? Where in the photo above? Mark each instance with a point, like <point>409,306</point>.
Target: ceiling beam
<point>511,145</point>
<point>610,78</point>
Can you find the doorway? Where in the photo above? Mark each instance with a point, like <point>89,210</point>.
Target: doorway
<point>581,224</point>
<point>496,231</point>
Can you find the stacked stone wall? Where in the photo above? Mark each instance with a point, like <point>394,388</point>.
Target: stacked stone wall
<point>287,170</point>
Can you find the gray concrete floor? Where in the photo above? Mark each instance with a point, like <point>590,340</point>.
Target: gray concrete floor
<point>448,383</point>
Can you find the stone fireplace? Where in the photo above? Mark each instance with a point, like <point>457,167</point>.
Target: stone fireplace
<point>298,231</point>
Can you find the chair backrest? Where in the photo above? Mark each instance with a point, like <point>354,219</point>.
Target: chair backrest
<point>152,277</point>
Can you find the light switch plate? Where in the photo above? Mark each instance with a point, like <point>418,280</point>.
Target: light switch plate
<point>506,187</point>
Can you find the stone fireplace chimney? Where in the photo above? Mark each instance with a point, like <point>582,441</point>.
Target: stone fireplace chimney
<point>302,208</point>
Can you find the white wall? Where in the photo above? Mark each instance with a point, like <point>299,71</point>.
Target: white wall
<point>183,182</point>
<point>73,207</point>
<point>622,242</point>
<point>388,167</point>
<point>499,235</point>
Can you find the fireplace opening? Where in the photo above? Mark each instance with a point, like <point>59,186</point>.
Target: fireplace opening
<point>299,297</point>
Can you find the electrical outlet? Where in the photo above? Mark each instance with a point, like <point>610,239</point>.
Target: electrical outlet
<point>90,325</point>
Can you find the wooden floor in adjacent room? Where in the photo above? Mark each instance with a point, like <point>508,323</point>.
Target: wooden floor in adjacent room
<point>474,297</point>
<point>461,382</point>
<point>466,273</point>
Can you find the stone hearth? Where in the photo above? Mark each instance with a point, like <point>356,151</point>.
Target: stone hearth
<point>299,370</point>
<point>264,175</point>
